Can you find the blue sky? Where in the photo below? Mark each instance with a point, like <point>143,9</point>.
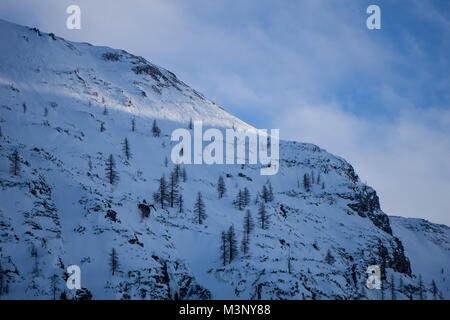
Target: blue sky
<point>378,98</point>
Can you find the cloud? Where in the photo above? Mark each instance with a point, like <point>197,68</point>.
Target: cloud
<point>406,160</point>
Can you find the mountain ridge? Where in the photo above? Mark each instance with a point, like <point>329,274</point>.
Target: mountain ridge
<point>67,106</point>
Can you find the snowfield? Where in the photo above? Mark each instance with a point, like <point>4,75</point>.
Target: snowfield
<point>66,107</point>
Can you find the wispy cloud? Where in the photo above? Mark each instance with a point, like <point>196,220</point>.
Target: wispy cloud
<point>406,159</point>
<point>379,98</point>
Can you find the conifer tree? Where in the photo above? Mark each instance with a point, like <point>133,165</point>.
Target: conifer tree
<point>180,204</point>
<point>421,294</point>
<point>162,195</point>
<point>133,125</point>
<point>248,227</point>
<point>393,295</point>
<point>2,281</point>
<point>245,197</point>
<point>113,261</point>
<point>232,248</point>
<point>173,189</point>
<point>221,188</point>
<point>262,216</point>
<point>126,149</point>
<point>199,209</point>
<point>248,222</point>
<point>257,198</point>
<point>111,173</point>
<point>34,255</point>
<point>270,192</point>
<point>14,158</point>
<point>400,286</point>
<point>184,175</point>
<point>54,285</point>
<point>177,172</point>
<point>244,243</point>
<point>265,194</point>
<point>155,130</point>
<point>434,290</point>
<point>306,183</point>
<point>289,258</point>
<point>239,202</point>
<point>224,248</point>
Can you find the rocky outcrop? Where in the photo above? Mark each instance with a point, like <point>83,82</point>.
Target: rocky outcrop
<point>365,203</point>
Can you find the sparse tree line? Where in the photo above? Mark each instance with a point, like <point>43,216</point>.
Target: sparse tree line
<point>229,252</point>
<point>55,281</point>
<point>228,247</point>
<point>243,197</point>
<point>169,195</point>
<point>4,283</point>
<point>309,180</point>
<point>389,290</point>
<point>15,163</point>
<point>154,130</point>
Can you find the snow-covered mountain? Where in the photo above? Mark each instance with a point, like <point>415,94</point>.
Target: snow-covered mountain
<point>66,107</point>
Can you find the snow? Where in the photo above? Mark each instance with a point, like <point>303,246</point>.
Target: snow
<point>428,245</point>
<point>60,207</point>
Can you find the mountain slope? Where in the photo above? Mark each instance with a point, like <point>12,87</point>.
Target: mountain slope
<point>65,107</point>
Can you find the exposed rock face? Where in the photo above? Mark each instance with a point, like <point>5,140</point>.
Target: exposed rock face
<point>111,215</point>
<point>367,204</point>
<point>400,262</point>
<point>145,210</point>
